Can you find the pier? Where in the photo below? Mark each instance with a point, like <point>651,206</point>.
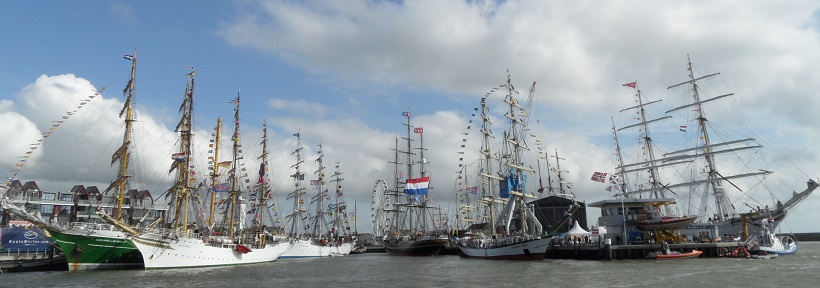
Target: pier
<point>21,260</point>
<point>599,251</point>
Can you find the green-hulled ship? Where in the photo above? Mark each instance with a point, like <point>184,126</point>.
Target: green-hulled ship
<point>98,245</point>
<point>91,246</point>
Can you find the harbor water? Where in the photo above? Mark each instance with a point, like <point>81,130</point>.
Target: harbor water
<point>381,270</point>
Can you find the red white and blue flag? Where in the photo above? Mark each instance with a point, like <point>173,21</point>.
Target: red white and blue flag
<point>405,114</point>
<point>599,177</point>
<point>178,156</point>
<point>221,187</point>
<point>472,190</point>
<point>417,186</point>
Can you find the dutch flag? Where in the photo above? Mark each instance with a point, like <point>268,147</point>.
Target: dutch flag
<point>417,186</point>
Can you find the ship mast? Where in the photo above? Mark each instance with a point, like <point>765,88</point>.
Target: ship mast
<point>488,190</point>
<point>215,170</point>
<point>123,154</point>
<point>657,188</point>
<point>265,191</point>
<point>319,219</point>
<point>422,172</point>
<point>409,153</point>
<point>339,207</point>
<point>516,177</point>
<point>234,194</point>
<point>559,174</point>
<point>515,155</point>
<point>298,191</point>
<point>649,151</point>
<point>620,170</point>
<point>394,194</point>
<point>724,207</point>
<point>182,186</point>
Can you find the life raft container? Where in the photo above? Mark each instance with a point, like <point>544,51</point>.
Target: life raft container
<point>242,249</point>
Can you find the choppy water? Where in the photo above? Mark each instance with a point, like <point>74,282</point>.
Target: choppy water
<point>380,270</point>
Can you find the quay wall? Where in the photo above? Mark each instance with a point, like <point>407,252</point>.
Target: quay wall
<point>598,251</point>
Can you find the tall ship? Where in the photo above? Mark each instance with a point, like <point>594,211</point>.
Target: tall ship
<point>341,238</point>
<point>183,243</point>
<point>411,228</point>
<point>679,194</point>
<point>515,233</point>
<point>96,245</point>
<point>306,231</point>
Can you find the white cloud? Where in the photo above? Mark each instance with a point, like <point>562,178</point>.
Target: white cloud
<point>6,105</point>
<point>24,133</point>
<point>298,107</point>
<point>123,11</point>
<point>78,150</point>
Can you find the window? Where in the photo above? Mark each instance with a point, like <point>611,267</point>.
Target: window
<point>49,196</point>
<point>46,209</point>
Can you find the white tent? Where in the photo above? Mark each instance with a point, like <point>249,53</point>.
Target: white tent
<point>577,231</point>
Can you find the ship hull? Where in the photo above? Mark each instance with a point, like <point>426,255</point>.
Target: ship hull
<point>791,249</point>
<point>97,249</point>
<point>533,249</point>
<point>162,252</point>
<point>341,249</point>
<point>307,249</point>
<point>783,245</point>
<point>414,247</point>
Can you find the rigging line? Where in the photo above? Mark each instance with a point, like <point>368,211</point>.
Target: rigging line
<point>759,183</point>
<point>775,148</point>
<point>769,190</point>
<point>788,168</point>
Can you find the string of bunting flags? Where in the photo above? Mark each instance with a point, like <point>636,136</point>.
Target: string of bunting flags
<point>23,159</point>
<point>463,187</point>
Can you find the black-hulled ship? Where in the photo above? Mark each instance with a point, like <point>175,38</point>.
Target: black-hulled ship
<point>412,231</point>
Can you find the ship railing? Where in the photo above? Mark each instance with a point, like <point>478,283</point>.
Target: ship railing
<point>187,233</point>
<point>162,231</point>
<point>92,226</point>
<point>25,252</point>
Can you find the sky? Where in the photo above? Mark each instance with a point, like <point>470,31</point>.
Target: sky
<point>340,73</point>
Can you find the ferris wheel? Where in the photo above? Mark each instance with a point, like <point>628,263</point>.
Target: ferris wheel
<point>378,214</point>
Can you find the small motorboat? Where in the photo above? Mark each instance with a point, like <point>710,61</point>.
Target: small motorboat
<point>666,253</point>
<point>679,255</point>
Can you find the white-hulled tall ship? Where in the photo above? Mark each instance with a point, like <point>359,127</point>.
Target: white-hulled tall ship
<point>185,245</point>
<point>341,238</point>
<point>306,231</point>
<point>516,233</point>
